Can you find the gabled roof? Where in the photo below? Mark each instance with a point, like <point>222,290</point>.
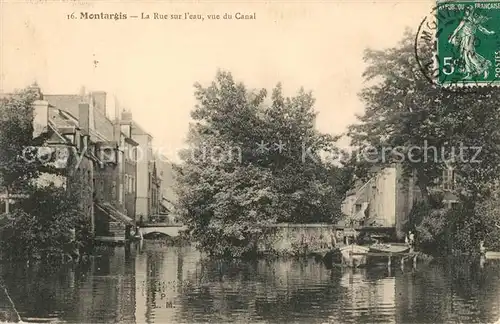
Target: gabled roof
<point>60,119</point>
<point>70,105</point>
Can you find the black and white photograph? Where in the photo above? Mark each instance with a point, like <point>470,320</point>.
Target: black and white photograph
<point>237,161</point>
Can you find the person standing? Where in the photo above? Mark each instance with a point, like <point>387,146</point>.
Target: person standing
<point>482,249</point>
<point>411,240</point>
<point>333,239</point>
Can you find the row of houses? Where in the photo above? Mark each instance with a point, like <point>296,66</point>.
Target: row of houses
<point>109,162</point>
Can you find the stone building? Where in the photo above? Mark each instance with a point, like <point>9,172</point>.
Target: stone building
<point>169,197</point>
<point>105,143</point>
<point>387,198</point>
<point>147,182</point>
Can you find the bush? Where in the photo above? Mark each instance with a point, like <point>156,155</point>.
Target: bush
<point>458,230</point>
<point>431,231</point>
<point>46,225</point>
<point>489,214</point>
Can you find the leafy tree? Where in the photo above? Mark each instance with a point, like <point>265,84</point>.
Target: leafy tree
<point>427,124</point>
<point>41,223</point>
<point>427,128</point>
<point>16,134</point>
<point>488,213</point>
<point>231,188</point>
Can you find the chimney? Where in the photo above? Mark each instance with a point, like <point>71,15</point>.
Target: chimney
<point>40,117</point>
<point>117,133</point>
<point>84,118</point>
<point>99,98</point>
<point>36,89</point>
<point>126,116</point>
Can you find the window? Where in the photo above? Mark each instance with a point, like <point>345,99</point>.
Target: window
<point>132,184</point>
<point>448,179</point>
<point>101,188</point>
<point>120,194</point>
<point>113,190</point>
<point>126,184</point>
<point>82,145</point>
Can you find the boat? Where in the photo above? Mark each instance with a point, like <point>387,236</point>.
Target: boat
<point>354,255</point>
<point>492,255</point>
<point>389,248</point>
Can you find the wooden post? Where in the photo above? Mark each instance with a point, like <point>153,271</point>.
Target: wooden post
<point>7,201</point>
<point>415,262</point>
<point>389,261</point>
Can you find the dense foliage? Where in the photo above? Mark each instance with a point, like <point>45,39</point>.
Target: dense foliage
<point>40,226</point>
<point>236,179</point>
<point>488,212</point>
<point>426,128</point>
<point>423,126</point>
<point>16,133</point>
<point>49,222</point>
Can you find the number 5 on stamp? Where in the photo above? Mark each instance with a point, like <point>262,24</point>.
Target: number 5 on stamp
<point>468,42</point>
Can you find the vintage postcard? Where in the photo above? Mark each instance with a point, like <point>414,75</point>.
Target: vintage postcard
<point>234,161</point>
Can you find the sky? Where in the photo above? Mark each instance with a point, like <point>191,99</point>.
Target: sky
<point>150,66</point>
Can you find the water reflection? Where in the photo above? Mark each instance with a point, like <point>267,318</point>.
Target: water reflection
<point>158,284</point>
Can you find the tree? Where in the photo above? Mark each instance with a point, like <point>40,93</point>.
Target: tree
<point>41,223</point>
<point>488,212</point>
<point>16,134</point>
<point>426,128</point>
<point>251,164</point>
<point>428,124</point>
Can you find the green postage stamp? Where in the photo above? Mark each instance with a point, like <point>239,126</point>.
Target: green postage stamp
<point>468,42</point>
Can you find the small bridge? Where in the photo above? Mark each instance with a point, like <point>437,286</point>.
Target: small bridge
<point>167,229</point>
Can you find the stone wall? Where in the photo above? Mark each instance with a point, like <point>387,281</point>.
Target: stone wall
<point>289,238</point>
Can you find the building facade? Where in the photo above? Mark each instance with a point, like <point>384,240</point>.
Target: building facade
<point>147,181</point>
<point>103,141</point>
<point>110,163</point>
<point>168,203</point>
<point>386,199</point>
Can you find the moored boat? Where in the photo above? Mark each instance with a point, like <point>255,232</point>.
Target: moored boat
<point>354,255</point>
<point>389,248</point>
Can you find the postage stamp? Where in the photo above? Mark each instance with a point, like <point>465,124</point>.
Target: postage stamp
<point>468,43</point>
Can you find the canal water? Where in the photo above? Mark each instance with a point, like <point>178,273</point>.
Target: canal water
<point>154,283</point>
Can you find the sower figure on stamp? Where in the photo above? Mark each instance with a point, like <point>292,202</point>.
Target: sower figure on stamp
<point>464,38</point>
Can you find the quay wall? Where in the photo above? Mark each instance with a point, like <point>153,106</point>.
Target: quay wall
<point>290,238</point>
